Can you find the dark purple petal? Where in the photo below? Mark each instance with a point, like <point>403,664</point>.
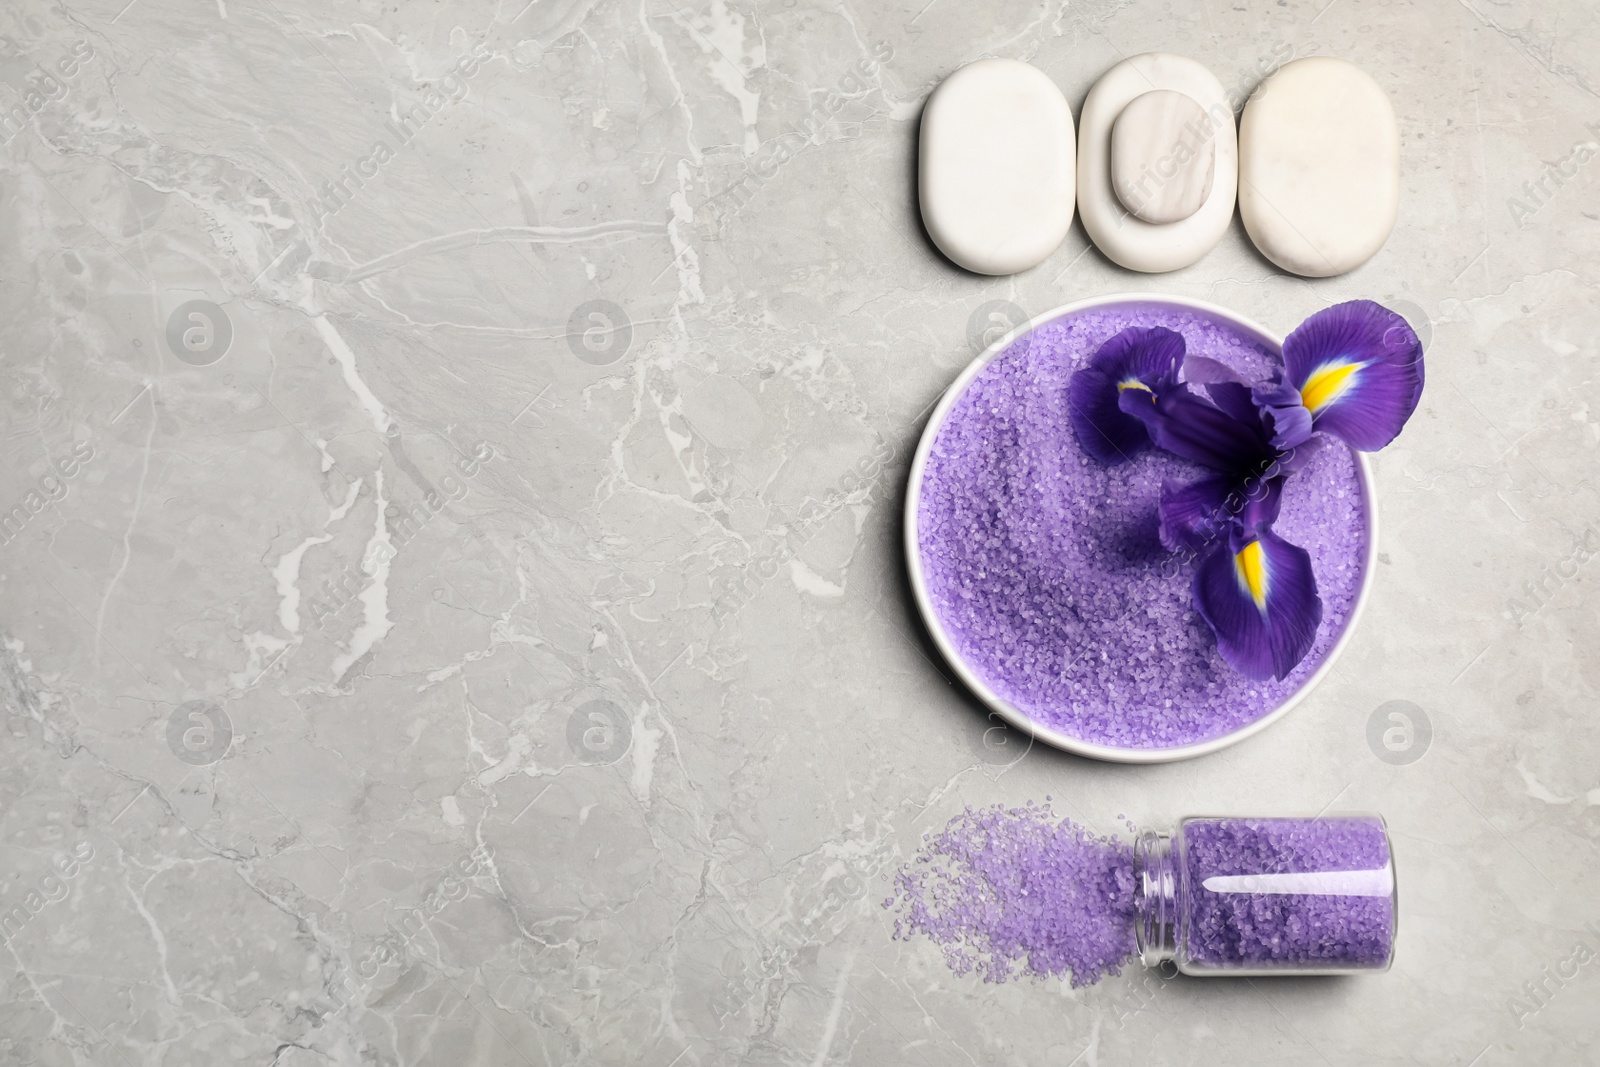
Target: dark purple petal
<point>1202,370</point>
<point>1102,430</point>
<point>1283,412</point>
<point>1195,429</point>
<point>1196,513</point>
<point>1295,458</point>
<point>1358,369</point>
<point>1140,361</point>
<point>1259,596</point>
<point>1262,499</point>
<point>1235,399</point>
<point>1154,354</point>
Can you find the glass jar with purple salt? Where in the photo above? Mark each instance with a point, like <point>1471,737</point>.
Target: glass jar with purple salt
<point>1267,896</point>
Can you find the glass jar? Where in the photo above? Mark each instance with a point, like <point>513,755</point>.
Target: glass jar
<point>1269,896</point>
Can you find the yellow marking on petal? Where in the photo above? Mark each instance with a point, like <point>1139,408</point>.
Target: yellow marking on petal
<point>1132,383</point>
<point>1327,383</point>
<point>1250,567</point>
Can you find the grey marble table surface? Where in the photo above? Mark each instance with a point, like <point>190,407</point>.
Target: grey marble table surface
<point>451,594</point>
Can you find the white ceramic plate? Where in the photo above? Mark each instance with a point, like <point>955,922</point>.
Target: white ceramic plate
<point>1006,710</point>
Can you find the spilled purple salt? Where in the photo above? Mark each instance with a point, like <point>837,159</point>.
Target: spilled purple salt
<point>1045,570</point>
<point>1000,889</point>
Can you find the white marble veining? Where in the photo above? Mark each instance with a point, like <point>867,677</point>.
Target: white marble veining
<point>481,637</point>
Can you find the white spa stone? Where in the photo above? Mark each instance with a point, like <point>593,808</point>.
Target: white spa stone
<point>995,174</point>
<point>1319,167</point>
<point>1162,156</point>
<point>1124,237</point>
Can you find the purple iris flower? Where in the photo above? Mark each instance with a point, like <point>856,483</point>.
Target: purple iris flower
<point>1134,367</point>
<point>1353,371</point>
<point>1255,590</point>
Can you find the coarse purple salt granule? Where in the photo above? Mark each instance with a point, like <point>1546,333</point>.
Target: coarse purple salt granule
<point>1045,570</point>
<point>1289,931</point>
<point>1000,889</point>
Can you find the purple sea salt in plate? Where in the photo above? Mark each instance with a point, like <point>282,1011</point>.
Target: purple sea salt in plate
<point>1040,574</point>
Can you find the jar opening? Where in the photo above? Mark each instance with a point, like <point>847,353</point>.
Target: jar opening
<point>1155,925</point>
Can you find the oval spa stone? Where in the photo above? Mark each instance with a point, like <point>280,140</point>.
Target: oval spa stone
<point>996,166</point>
<point>1122,234</point>
<point>1319,167</point>
<point>1162,156</point>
